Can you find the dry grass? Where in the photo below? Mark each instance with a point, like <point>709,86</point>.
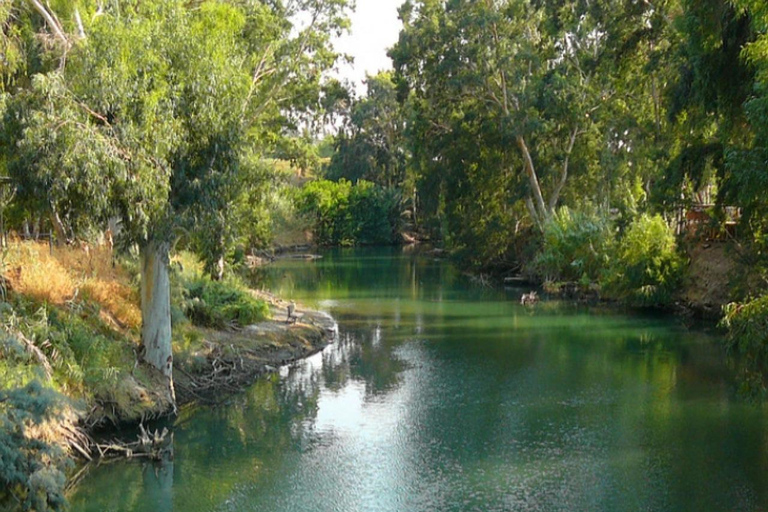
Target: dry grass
<point>120,300</point>
<point>66,273</point>
<point>32,271</point>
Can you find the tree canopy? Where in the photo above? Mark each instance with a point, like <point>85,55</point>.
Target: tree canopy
<point>151,113</point>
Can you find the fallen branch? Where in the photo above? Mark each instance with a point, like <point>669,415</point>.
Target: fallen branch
<point>37,353</point>
<point>155,445</point>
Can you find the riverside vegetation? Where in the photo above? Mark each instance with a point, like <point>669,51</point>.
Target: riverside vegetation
<point>612,148</point>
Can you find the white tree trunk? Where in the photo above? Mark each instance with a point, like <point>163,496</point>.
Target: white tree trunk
<point>58,227</point>
<point>530,170</point>
<point>156,309</point>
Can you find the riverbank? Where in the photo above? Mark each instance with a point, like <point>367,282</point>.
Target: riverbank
<point>225,362</point>
<point>705,289</point>
<point>220,364</point>
<point>70,364</point>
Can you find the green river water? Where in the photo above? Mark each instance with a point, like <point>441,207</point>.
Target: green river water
<point>440,395</point>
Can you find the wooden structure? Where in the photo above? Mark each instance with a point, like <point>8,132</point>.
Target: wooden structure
<point>697,221</point>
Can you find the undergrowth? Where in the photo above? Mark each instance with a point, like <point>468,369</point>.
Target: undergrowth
<point>65,274</point>
<point>216,304</point>
<point>747,335</point>
<point>69,335</point>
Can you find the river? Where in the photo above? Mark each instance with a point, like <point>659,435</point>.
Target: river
<point>441,395</point>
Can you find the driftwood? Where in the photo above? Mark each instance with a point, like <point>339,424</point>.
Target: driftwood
<point>155,445</point>
<point>227,375</point>
<point>78,440</point>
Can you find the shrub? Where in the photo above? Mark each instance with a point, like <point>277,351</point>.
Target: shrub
<point>326,203</point>
<point>221,304</point>
<point>344,214</point>
<point>32,471</point>
<point>576,246</point>
<point>747,334</point>
<point>85,356</point>
<point>647,268</point>
<point>747,326</point>
<point>376,213</point>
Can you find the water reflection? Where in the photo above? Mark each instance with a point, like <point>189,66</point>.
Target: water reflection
<point>443,396</point>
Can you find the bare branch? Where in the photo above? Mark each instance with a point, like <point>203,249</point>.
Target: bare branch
<point>564,173</point>
<point>51,20</point>
<point>79,22</point>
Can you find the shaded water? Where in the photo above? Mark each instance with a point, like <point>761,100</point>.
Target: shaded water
<point>443,396</point>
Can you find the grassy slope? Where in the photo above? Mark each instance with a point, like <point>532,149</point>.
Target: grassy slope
<point>70,321</point>
<point>81,317</point>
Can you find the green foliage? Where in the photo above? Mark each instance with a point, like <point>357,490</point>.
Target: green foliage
<point>221,304</point>
<point>208,303</point>
<point>326,204</point>
<point>505,122</point>
<point>32,472</point>
<point>647,269</point>
<point>375,212</point>
<point>87,358</point>
<point>371,145</point>
<point>747,335</point>
<point>160,112</point>
<point>577,245</point>
<point>265,204</point>
<point>747,326</point>
<point>347,214</point>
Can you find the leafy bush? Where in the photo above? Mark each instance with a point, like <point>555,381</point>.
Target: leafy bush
<point>346,214</point>
<point>747,334</point>
<point>86,357</point>
<point>326,203</point>
<point>221,304</point>
<point>32,472</point>
<point>747,326</point>
<point>376,212</point>
<point>576,246</point>
<point>647,268</point>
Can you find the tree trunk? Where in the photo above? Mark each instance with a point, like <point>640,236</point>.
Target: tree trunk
<point>564,173</point>
<point>532,212</point>
<point>538,199</point>
<point>218,269</point>
<point>58,227</point>
<point>156,309</point>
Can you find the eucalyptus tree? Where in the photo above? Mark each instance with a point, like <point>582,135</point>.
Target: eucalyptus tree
<point>746,159</point>
<point>371,144</point>
<point>706,99</point>
<point>151,117</point>
<point>528,72</point>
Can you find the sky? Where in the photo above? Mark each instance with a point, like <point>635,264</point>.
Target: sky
<point>375,28</point>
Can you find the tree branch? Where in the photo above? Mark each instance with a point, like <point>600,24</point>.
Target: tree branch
<point>51,20</point>
<point>79,21</point>
<point>564,173</point>
<point>530,170</point>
